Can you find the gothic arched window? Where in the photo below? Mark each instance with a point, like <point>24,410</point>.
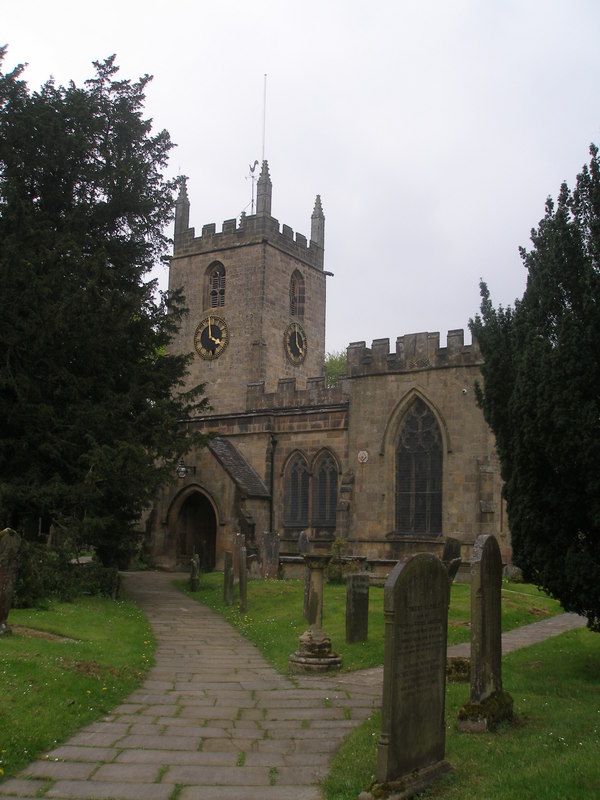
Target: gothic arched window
<point>216,286</point>
<point>297,295</point>
<point>419,459</point>
<point>324,492</point>
<point>296,492</point>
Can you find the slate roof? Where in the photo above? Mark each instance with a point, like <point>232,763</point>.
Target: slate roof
<point>236,466</point>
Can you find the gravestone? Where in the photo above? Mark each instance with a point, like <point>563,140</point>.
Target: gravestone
<point>228,579</point>
<point>357,607</point>
<point>411,751</point>
<point>194,572</point>
<point>451,556</point>
<point>269,551</point>
<point>489,704</point>
<point>243,585</point>
<point>314,653</point>
<point>10,544</point>
<point>238,541</point>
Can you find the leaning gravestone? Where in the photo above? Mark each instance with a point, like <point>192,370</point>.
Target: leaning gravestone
<point>411,752</point>
<point>357,607</point>
<point>451,556</point>
<point>10,543</point>
<point>489,704</point>
<point>228,579</point>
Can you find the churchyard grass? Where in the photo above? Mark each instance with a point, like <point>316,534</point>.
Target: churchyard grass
<point>274,620</point>
<point>63,667</point>
<point>550,752</point>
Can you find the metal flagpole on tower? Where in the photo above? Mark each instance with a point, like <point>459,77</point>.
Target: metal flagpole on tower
<point>264,115</point>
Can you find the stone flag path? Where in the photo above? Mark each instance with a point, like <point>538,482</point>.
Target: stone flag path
<point>212,719</point>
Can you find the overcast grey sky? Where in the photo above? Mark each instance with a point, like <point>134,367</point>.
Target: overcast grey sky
<point>433,130</point>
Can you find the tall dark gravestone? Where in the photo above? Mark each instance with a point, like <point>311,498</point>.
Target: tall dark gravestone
<point>10,544</point>
<point>486,640</point>
<point>228,579</point>
<point>357,607</point>
<point>413,732</point>
<point>243,584</point>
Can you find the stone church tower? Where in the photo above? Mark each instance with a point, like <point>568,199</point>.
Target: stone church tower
<point>256,297</point>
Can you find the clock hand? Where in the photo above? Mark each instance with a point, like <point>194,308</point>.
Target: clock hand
<point>209,330</point>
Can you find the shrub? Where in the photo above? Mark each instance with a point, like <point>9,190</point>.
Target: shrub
<point>51,572</point>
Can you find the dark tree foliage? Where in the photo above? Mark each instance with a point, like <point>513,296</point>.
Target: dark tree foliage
<point>90,398</point>
<point>541,397</point>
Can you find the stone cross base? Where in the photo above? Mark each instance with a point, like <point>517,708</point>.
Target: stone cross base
<point>408,785</point>
<point>314,654</point>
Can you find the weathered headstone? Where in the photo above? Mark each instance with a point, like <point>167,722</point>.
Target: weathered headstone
<point>451,550</point>
<point>194,573</point>
<point>238,541</point>
<point>269,551</point>
<point>314,653</point>
<point>243,585</point>
<point>357,607</point>
<point>489,704</point>
<point>228,579</point>
<point>10,543</point>
<point>413,733</point>
<point>451,556</point>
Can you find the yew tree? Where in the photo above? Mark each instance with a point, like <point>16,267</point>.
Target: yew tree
<point>540,393</point>
<point>91,400</point>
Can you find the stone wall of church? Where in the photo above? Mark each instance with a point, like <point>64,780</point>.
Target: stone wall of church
<point>383,385</point>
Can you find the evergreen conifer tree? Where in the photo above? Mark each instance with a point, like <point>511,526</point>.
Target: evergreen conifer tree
<point>91,401</point>
<point>541,397</point>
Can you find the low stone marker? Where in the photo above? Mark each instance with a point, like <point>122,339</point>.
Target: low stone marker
<point>411,752</point>
<point>194,573</point>
<point>489,704</point>
<point>228,579</point>
<point>314,653</point>
<point>269,551</point>
<point>357,607</point>
<point>243,581</point>
<point>10,544</point>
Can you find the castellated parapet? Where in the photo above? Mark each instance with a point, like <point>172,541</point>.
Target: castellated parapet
<point>252,229</point>
<point>287,396</point>
<point>414,351</point>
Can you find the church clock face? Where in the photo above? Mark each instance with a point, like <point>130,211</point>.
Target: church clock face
<point>294,341</point>
<point>211,337</point>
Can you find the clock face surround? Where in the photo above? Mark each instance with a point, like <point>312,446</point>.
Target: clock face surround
<point>294,341</point>
<point>211,337</point>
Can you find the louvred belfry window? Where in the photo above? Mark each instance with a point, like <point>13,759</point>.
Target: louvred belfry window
<point>419,461</point>
<point>297,295</point>
<point>217,286</point>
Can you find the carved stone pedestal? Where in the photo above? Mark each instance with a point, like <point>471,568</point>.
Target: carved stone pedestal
<point>314,653</point>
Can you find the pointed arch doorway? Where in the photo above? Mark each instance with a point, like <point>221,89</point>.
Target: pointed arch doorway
<point>196,530</point>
